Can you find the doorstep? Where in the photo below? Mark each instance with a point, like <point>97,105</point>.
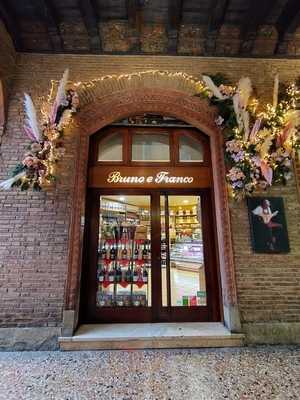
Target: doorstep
<point>151,336</point>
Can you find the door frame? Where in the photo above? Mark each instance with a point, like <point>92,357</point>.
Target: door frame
<point>156,313</point>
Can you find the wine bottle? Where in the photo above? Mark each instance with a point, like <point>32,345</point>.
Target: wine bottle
<point>135,275</point>
<point>112,253</point>
<point>103,251</point>
<point>118,274</point>
<point>111,275</point>
<point>128,275</point>
<point>145,275</point>
<point>101,275</point>
<point>136,253</point>
<point>124,252</point>
<point>145,252</point>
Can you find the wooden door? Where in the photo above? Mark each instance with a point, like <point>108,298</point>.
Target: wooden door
<point>160,285</point>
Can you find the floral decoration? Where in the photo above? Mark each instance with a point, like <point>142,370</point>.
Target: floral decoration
<point>260,143</point>
<point>37,168</point>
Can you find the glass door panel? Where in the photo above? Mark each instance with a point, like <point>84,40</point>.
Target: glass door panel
<point>124,252</point>
<point>181,229</point>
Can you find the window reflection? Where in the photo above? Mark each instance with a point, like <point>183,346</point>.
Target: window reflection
<point>111,148</point>
<point>150,147</point>
<point>190,149</point>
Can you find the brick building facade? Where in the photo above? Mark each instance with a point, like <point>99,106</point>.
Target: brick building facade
<point>35,226</point>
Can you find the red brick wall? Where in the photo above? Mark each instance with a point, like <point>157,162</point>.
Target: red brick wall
<point>34,226</point>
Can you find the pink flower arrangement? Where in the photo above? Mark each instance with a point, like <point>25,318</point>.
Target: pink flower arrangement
<point>259,146</point>
<point>46,147</point>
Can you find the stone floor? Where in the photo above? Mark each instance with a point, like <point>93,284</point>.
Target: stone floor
<point>236,373</point>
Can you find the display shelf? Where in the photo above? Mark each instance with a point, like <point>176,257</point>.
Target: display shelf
<point>190,251</point>
<point>187,223</point>
<point>185,215</point>
<point>124,284</point>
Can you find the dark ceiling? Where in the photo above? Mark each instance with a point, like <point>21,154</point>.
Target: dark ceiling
<point>183,27</point>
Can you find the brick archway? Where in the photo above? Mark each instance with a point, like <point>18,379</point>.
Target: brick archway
<point>109,108</point>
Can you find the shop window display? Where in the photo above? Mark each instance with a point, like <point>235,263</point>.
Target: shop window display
<point>124,252</point>
<point>182,251</point>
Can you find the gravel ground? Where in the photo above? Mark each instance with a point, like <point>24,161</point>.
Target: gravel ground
<point>247,373</point>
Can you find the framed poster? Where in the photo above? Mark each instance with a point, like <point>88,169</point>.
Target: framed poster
<point>268,225</point>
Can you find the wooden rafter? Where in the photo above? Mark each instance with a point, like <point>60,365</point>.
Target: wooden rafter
<point>90,17</point>
<point>175,17</point>
<point>52,20</point>
<point>216,19</point>
<point>11,23</point>
<point>254,17</point>
<point>287,23</point>
<point>135,19</point>
<point>132,13</point>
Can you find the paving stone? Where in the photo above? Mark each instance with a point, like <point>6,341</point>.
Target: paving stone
<point>261,373</point>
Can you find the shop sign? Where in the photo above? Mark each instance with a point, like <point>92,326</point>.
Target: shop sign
<point>162,177</point>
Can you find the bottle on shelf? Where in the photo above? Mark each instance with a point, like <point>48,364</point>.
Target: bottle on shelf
<point>124,253</point>
<point>135,275</point>
<point>128,275</point>
<point>145,275</point>
<point>111,276</point>
<point>118,276</point>
<point>163,245</point>
<point>103,251</point>
<point>113,253</point>
<point>145,252</point>
<point>101,274</point>
<point>136,252</point>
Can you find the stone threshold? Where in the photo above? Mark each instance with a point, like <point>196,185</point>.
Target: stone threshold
<point>151,336</point>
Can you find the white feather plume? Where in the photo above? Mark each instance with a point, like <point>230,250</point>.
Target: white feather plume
<point>275,91</point>
<point>255,129</point>
<point>245,90</point>
<point>7,184</point>
<point>246,122</point>
<point>31,122</point>
<point>213,88</point>
<point>236,107</point>
<point>60,95</point>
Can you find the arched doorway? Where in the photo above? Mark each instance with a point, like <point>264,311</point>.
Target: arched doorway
<point>103,111</point>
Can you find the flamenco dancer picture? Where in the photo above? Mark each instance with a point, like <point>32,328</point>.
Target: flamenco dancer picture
<point>268,233</point>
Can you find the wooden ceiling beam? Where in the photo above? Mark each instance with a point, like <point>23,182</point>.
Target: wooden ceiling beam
<point>255,16</point>
<point>174,21</point>
<point>217,14</point>
<point>52,20</point>
<point>132,13</point>
<point>10,21</point>
<point>90,16</point>
<point>135,20</point>
<point>287,23</point>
